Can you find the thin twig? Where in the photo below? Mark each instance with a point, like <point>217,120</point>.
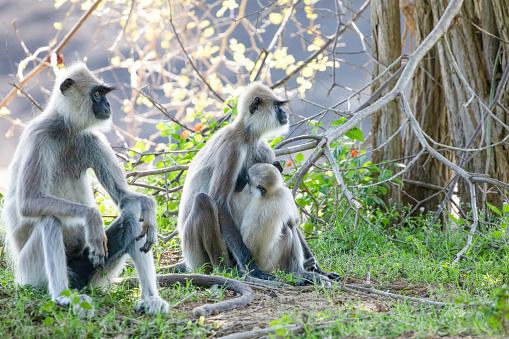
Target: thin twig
<point>191,60</point>
<point>168,238</point>
<point>138,174</point>
<point>57,51</point>
<point>25,93</point>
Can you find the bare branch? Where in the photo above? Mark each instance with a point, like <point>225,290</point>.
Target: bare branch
<point>138,174</point>
<point>57,51</point>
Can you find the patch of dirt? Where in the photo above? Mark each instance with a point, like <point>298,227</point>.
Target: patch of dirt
<point>273,304</point>
<point>170,257</point>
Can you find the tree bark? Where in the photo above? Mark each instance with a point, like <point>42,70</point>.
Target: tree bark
<point>427,100</point>
<point>385,23</point>
<point>473,51</point>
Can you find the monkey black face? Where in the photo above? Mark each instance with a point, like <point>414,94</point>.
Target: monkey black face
<point>100,105</point>
<point>263,191</point>
<point>282,117</point>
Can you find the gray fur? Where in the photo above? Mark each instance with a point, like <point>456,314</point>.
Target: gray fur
<point>269,226</point>
<point>214,172</point>
<point>50,213</point>
<point>215,199</point>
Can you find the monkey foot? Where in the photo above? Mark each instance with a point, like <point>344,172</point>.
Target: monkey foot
<point>153,305</point>
<point>77,309</point>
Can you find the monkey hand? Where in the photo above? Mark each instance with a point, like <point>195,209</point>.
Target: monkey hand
<point>149,225</point>
<point>96,239</point>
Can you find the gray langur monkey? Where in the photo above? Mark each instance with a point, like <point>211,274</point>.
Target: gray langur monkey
<point>54,231</point>
<point>270,224</point>
<point>214,198</point>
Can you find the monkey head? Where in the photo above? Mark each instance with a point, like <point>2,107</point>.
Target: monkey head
<point>260,109</point>
<point>80,97</point>
<point>265,178</point>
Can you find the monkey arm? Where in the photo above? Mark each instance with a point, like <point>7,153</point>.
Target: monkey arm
<point>223,184</point>
<point>33,198</point>
<point>111,177</point>
<point>35,201</point>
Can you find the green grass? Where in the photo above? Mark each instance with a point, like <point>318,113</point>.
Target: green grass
<point>425,261</point>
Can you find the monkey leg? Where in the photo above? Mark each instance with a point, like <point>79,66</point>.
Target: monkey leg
<point>202,240</point>
<point>30,263</point>
<point>122,235</point>
<point>46,249</point>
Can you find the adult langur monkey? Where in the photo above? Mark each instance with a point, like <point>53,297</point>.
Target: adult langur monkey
<point>55,232</point>
<point>214,199</point>
<point>269,225</point>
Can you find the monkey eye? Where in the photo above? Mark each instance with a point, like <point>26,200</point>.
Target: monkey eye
<point>97,95</point>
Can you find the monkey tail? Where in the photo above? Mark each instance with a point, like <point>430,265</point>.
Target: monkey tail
<point>201,280</point>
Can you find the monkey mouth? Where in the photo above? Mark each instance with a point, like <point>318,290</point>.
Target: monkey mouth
<point>103,116</point>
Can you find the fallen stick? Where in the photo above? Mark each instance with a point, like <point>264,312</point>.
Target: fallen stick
<point>246,293</point>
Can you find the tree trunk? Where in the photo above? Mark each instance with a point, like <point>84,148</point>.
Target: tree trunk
<point>385,23</point>
<point>473,52</point>
<point>427,100</point>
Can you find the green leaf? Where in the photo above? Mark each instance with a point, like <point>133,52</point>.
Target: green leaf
<point>148,158</point>
<point>176,136</point>
<point>67,293</point>
<point>86,305</point>
<point>324,189</point>
<point>503,226</point>
<point>497,234</point>
<point>198,137</point>
<point>505,208</point>
<point>337,152</point>
<point>355,134</point>
<point>161,126</point>
<point>48,306</point>
<point>299,157</point>
<point>75,300</point>
<point>338,122</point>
<point>493,208</point>
<point>382,189</point>
<point>48,321</point>
<point>274,323</point>
<point>281,331</point>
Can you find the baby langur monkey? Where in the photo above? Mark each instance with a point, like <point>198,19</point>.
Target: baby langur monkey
<point>269,226</point>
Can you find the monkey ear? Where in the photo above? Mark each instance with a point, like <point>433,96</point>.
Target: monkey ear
<point>254,105</point>
<point>277,164</point>
<point>262,190</point>
<point>66,85</point>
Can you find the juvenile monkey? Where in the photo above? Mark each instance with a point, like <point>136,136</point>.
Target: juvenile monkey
<point>269,226</point>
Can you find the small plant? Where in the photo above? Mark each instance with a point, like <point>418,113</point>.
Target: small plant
<point>498,311</point>
<point>280,326</point>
